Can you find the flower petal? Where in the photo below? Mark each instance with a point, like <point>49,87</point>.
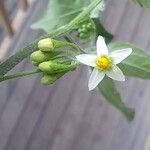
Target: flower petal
<point>95,78</point>
<point>120,55</point>
<point>87,59</point>
<point>101,46</point>
<point>116,74</point>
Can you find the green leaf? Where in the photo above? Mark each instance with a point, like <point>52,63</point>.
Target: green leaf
<point>109,91</point>
<point>137,64</point>
<point>100,30</point>
<point>143,3</point>
<point>59,13</point>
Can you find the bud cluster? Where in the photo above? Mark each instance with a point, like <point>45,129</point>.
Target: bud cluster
<point>85,28</point>
<point>46,58</point>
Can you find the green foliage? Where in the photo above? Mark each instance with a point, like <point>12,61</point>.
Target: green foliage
<point>137,64</point>
<point>59,13</point>
<point>15,59</point>
<point>143,3</point>
<point>109,91</point>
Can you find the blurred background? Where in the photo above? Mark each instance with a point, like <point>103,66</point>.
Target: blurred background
<point>66,115</point>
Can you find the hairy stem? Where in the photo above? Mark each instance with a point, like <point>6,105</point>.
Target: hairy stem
<point>19,74</point>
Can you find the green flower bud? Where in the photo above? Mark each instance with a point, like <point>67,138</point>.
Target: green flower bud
<point>48,79</point>
<point>82,30</point>
<point>39,56</point>
<point>84,26</point>
<point>83,35</point>
<point>89,26</point>
<point>51,67</point>
<point>46,45</point>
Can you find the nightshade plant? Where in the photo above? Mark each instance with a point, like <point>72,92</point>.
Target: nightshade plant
<point>57,53</point>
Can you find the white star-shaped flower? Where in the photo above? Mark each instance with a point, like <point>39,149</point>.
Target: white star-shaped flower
<point>104,63</point>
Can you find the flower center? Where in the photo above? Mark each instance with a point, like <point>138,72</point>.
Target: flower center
<point>103,62</point>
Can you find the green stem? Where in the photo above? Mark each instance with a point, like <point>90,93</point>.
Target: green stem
<point>12,61</point>
<point>19,74</point>
<point>82,15</point>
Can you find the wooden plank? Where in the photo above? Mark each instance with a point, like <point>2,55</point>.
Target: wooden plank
<point>8,87</point>
<point>24,4</point>
<point>141,36</point>
<point>55,110</point>
<point>5,19</point>
<point>80,134</point>
<point>17,101</point>
<point>34,107</point>
<point>14,107</point>
<point>115,10</point>
<point>128,22</point>
<point>66,129</point>
<point>25,34</point>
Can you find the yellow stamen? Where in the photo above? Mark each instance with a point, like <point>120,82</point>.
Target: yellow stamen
<point>103,62</point>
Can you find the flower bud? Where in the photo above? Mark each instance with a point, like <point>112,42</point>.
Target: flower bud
<point>84,26</point>
<point>82,30</point>
<point>89,26</point>
<point>83,35</point>
<point>51,67</point>
<point>48,79</point>
<point>39,56</point>
<point>46,45</point>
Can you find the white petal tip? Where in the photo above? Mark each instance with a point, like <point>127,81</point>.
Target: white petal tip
<point>77,57</point>
<point>129,50</point>
<point>90,88</point>
<point>100,37</point>
<point>121,79</point>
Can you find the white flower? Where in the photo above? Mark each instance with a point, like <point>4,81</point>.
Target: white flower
<point>104,63</point>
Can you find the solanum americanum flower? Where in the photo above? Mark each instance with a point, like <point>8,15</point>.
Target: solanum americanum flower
<point>104,63</point>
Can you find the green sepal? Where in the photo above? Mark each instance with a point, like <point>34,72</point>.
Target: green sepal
<point>39,56</point>
<point>52,67</point>
<point>50,79</point>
